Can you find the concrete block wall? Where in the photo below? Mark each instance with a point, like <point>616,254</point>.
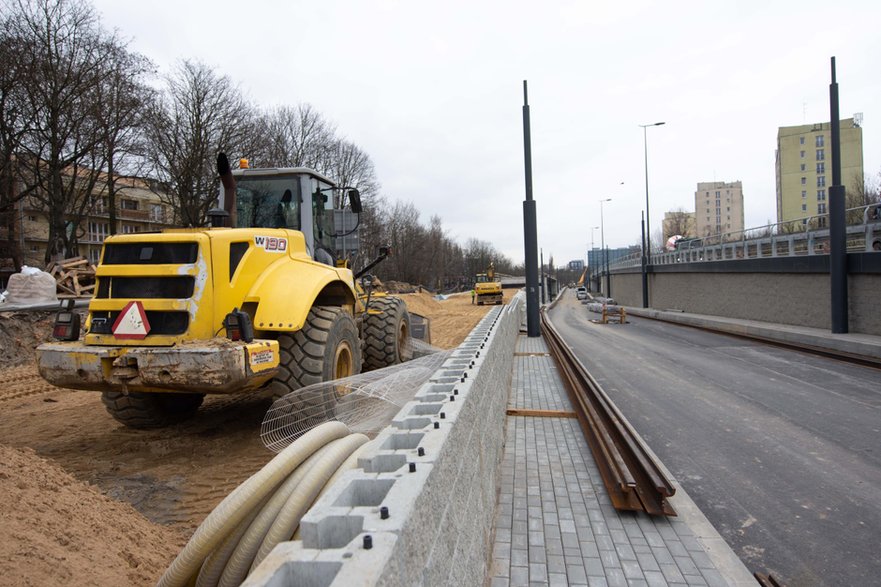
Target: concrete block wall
<point>798,299</point>
<point>435,468</point>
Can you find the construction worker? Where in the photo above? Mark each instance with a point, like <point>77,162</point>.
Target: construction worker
<point>472,296</point>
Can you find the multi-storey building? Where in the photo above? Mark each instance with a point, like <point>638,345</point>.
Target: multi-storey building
<point>804,167</point>
<point>138,209</point>
<point>718,208</point>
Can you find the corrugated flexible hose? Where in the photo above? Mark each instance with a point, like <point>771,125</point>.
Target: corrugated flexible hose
<point>265,509</point>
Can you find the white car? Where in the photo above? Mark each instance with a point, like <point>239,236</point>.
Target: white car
<point>581,293</point>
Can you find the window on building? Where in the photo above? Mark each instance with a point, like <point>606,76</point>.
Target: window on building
<point>821,208</point>
<point>99,205</point>
<point>129,204</point>
<point>98,231</point>
<point>802,154</point>
<point>94,256</point>
<point>821,154</point>
<point>718,194</point>
<point>157,214</point>
<point>821,168</point>
<point>801,140</point>
<point>821,195</point>
<point>821,181</point>
<point>803,166</point>
<point>130,228</point>
<point>804,181</point>
<point>804,207</point>
<point>804,193</point>
<point>819,141</point>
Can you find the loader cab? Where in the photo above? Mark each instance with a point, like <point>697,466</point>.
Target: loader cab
<point>293,198</point>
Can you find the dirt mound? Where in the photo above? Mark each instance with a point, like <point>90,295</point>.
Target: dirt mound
<point>453,318</point>
<point>52,524</point>
<point>421,303</point>
<point>21,333</point>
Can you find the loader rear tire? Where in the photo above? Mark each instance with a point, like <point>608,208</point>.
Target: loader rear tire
<point>387,335</point>
<point>326,348</point>
<point>151,410</point>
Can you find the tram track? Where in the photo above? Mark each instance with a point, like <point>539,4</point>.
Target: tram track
<point>631,475</point>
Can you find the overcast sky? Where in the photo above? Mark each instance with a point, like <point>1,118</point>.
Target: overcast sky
<point>433,92</point>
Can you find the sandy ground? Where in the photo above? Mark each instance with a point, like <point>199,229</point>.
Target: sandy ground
<point>87,501</point>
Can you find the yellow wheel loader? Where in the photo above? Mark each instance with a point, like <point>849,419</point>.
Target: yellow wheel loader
<point>261,304</point>
<point>487,288</point>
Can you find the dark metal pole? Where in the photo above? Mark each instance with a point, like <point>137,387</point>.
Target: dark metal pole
<point>645,277</point>
<point>530,233</point>
<point>645,149</point>
<point>837,221</point>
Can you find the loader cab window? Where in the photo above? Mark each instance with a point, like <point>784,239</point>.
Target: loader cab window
<point>268,202</point>
<point>322,215</point>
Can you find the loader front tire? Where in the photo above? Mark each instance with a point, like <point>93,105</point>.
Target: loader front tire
<point>387,334</point>
<point>151,410</point>
<point>326,348</point>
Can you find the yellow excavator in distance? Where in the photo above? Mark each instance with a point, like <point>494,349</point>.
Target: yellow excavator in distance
<point>487,287</point>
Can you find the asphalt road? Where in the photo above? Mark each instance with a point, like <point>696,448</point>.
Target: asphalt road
<point>781,450</point>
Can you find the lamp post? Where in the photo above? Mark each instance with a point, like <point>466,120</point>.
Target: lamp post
<point>647,239</point>
<point>603,243</point>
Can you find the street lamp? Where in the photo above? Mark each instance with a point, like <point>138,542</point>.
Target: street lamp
<point>648,226</point>
<point>647,246</point>
<point>603,244</point>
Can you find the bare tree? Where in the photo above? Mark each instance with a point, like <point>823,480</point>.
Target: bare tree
<point>123,96</point>
<point>679,222</point>
<point>197,115</point>
<point>350,166</point>
<point>16,120</point>
<point>61,154</point>
<point>294,136</point>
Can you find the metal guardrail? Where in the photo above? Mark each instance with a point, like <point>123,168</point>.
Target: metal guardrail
<point>634,480</point>
<point>803,236</point>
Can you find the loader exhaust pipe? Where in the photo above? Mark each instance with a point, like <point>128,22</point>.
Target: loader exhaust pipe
<point>229,187</point>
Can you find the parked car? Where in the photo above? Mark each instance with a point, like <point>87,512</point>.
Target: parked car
<point>581,293</point>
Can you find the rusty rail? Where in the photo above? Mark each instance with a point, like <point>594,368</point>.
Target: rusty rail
<point>634,480</point>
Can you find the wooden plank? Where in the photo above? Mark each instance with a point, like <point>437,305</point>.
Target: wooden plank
<point>74,262</point>
<point>540,413</point>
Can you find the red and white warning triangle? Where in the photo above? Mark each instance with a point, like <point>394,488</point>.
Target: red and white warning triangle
<point>132,322</point>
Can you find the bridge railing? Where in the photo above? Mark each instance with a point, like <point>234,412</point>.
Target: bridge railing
<point>802,236</point>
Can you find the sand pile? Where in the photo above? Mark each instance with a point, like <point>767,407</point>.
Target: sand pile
<point>59,531</point>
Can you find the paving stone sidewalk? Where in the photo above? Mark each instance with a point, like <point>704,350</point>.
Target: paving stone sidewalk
<point>555,524</point>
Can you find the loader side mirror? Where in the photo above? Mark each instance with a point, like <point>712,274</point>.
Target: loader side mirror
<point>355,199</point>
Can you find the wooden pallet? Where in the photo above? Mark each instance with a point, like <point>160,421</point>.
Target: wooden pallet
<point>75,277</point>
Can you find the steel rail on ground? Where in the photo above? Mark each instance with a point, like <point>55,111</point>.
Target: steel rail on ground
<point>634,480</point>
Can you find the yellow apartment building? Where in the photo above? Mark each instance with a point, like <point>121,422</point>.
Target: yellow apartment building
<point>804,167</point>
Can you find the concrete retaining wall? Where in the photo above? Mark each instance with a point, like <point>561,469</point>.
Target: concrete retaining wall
<point>797,298</point>
<point>440,503</point>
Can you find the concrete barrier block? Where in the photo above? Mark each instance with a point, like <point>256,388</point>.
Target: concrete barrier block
<point>440,515</point>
